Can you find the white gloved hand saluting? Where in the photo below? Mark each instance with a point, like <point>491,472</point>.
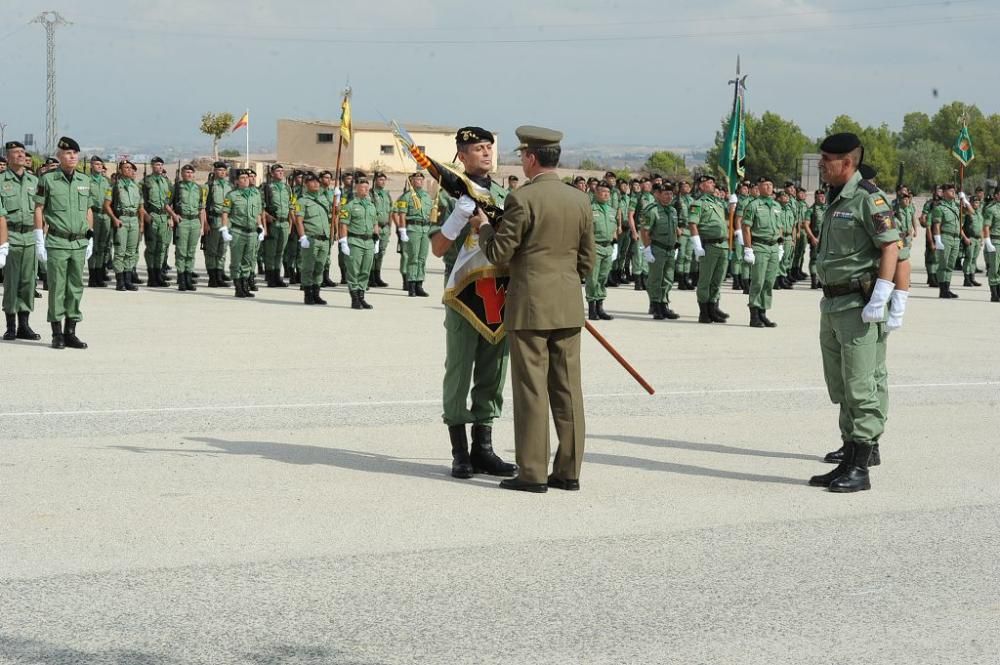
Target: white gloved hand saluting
<point>748,256</point>
<point>733,199</point>
<point>403,237</point>
<point>226,235</point>
<point>304,242</point>
<point>699,251</point>
<point>90,249</point>
<point>647,253</point>
<point>938,244</point>
<point>4,248</point>
<point>458,218</point>
<point>40,245</point>
<point>874,311</point>
<point>345,249</point>
<point>897,306</point>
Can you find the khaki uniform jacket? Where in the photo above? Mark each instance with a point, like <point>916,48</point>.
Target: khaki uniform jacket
<point>546,237</point>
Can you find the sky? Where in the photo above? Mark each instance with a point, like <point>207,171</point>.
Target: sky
<point>637,72</point>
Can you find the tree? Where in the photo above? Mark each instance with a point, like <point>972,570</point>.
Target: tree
<point>588,164</point>
<point>216,125</point>
<point>229,152</point>
<point>927,163</point>
<point>916,126</point>
<point>665,162</point>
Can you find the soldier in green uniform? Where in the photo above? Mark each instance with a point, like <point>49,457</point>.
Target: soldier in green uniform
<point>640,269</point>
<point>187,204</point>
<point>383,208</point>
<point>991,238</point>
<point>413,214</point>
<point>763,230</point>
<point>973,239</point>
<point>605,235</point>
<point>123,204</point>
<point>709,227</point>
<point>812,230</point>
<point>801,207</point>
<point>337,196</point>
<point>17,190</point>
<point>98,276</point>
<point>278,213</point>
<point>242,224</point>
<point>857,264</point>
<point>946,229</point>
<point>789,213</point>
<point>930,253</point>
<point>159,224</point>
<point>62,204</point>
<point>257,240</point>
<point>660,237</point>
<point>627,202</point>
<point>314,229</point>
<point>215,246</point>
<point>290,257</point>
<point>622,200</point>
<point>752,192</point>
<point>359,232</point>
<point>471,360</point>
<point>685,255</point>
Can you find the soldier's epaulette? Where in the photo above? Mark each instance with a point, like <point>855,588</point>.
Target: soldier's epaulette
<point>869,187</point>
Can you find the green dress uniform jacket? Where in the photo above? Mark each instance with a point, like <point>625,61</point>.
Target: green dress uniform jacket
<point>17,196</point>
<point>65,201</point>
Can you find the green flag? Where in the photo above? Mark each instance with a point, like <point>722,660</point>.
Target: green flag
<point>962,150</point>
<point>732,157</point>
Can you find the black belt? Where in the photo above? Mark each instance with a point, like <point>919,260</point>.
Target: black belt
<point>761,241</point>
<point>20,228</point>
<point>67,236</point>
<point>664,246</point>
<point>156,211</point>
<point>362,236</point>
<point>712,242</point>
<point>862,286</point>
<point>320,237</point>
<point>190,217</point>
<point>417,222</point>
<point>126,213</point>
<point>604,244</point>
<point>245,229</point>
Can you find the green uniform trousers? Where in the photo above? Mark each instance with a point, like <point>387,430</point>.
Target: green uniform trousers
<point>854,369</point>
<point>471,361</point>
<point>785,265</point>
<point>215,246</point>
<point>359,263</point>
<point>157,235</point>
<point>415,252</point>
<point>930,258</point>
<point>763,273</point>
<point>292,252</point>
<point>103,241</point>
<point>19,277</point>
<point>545,371</point>
<point>242,262</point>
<point>685,254</point>
<point>971,256</point>
<point>992,265</point>
<point>126,244</point>
<point>639,265</point>
<point>712,271</point>
<point>65,269</point>
<point>946,257</point>
<point>314,260</point>
<point>596,282</point>
<point>385,230</point>
<point>186,246</point>
<point>625,243</point>
<point>799,252</point>
<point>661,276</point>
<point>813,252</point>
<point>274,245</point>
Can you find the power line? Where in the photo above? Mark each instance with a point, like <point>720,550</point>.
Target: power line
<point>51,21</point>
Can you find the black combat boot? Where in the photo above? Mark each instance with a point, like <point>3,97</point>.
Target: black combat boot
<point>419,289</point>
<point>640,283</point>
<point>269,279</point>
<point>755,321</point>
<point>719,313</point>
<point>839,455</point>
<point>162,273</point>
<point>461,465</point>
<point>601,314</point>
<point>296,277</point>
<point>249,286</point>
<point>995,294</point>
<point>592,310</point>
<point>278,282</point>
<point>378,279</point>
<point>813,282</point>
<point>355,300</point>
<point>72,341</point>
<point>213,280</point>
<point>973,282</point>
<point>307,296</point>
<point>948,293</point>
<point>768,323</point>
<point>746,287</point>
<point>364,303</point>
<point>135,277</point>
<point>190,281</point>
<point>658,313</point>
<point>252,282</point>
<point>92,278</point>
<point>737,283</point>
<point>483,459</point>
<point>854,477</point>
<point>58,342</point>
<point>327,282</point>
<point>11,333</point>
<point>182,281</point>
<point>968,280</point>
<point>703,315</point>
<point>223,280</point>
<point>316,297</point>
<point>238,288</point>
<point>668,313</point>
<point>410,289</point>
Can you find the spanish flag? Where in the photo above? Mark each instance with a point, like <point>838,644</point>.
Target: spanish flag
<point>242,122</point>
<point>345,118</point>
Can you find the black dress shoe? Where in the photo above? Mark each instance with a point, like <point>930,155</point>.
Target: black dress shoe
<point>523,486</point>
<point>564,484</point>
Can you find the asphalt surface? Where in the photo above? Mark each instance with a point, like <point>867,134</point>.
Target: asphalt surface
<point>229,481</point>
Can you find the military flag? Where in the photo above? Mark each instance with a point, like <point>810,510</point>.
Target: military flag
<point>732,157</point>
<point>345,117</point>
<point>962,150</point>
<point>242,122</point>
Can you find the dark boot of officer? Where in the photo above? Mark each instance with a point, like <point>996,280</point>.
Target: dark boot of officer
<point>839,455</point>
<point>601,314</point>
<point>592,311</point>
<point>355,300</point>
<point>755,321</point>
<point>130,284</point>
<point>658,313</point>
<point>995,294</point>
<point>768,323</point>
<point>364,303</point>
<point>11,333</point>
<point>410,288</point>
<point>854,477</point>
<point>719,313</point>
<point>418,289</point>
<point>461,465</point>
<point>317,299</point>
<point>944,291</point>
<point>70,338</point>
<point>190,281</point>
<point>703,315</point>
<point>58,341</point>
<point>307,296</point>
<point>483,459</point>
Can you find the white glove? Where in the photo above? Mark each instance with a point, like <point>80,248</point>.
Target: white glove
<point>874,311</point>
<point>699,251</point>
<point>781,252</point>
<point>40,245</point>
<point>4,248</point>
<point>90,249</point>
<point>226,235</point>
<point>738,234</point>
<point>337,192</point>
<point>962,197</point>
<point>458,218</point>
<point>897,306</point>
<point>403,237</point>
<point>677,252</point>
<point>647,253</point>
<point>260,236</point>
<point>304,242</point>
<point>748,256</point>
<point>378,244</point>
<point>614,252</point>
<point>988,244</point>
<point>345,249</point>
<point>938,245</point>
<point>733,199</point>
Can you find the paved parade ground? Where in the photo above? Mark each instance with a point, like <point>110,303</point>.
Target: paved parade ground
<point>255,481</point>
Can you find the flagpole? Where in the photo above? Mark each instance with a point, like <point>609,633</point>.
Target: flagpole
<point>248,139</point>
<point>730,173</point>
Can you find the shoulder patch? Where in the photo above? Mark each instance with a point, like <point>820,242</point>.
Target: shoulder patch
<point>345,214</point>
<point>882,222</point>
<point>868,187</point>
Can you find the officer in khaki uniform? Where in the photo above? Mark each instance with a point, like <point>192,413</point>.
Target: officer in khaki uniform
<point>857,264</point>
<point>605,236</point>
<point>762,237</point>
<point>62,203</point>
<point>359,233</point>
<point>188,204</point>
<point>314,228</point>
<point>547,239</point>
<point>17,191</point>
<point>661,234</point>
<point>709,225</point>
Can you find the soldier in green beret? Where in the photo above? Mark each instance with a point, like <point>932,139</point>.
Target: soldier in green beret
<point>413,219</point>
<point>62,204</point>
<point>812,229</point>
<point>242,225</point>
<point>17,190</point>
<point>279,215</point>
<point>158,222</point>
<point>187,204</point>
<point>123,203</point>
<point>661,235</point>
<point>314,229</point>
<point>359,235</point>
<point>930,253</point>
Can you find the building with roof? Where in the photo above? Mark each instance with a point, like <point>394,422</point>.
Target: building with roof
<point>313,143</point>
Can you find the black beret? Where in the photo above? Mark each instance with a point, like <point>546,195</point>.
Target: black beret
<point>96,160</point>
<point>512,177</point>
<point>251,172</point>
<point>309,177</point>
<point>610,174</point>
<point>220,165</point>
<point>782,192</point>
<point>156,160</point>
<point>579,178</point>
<point>360,174</point>
<point>187,167</point>
<point>362,180</point>
<point>643,179</point>
<point>840,144</point>
<point>980,189</point>
<point>634,181</point>
<point>379,174</point>
<point>66,143</point>
<point>470,135</point>
<point>820,191</point>
<point>10,145</point>
<point>592,180</point>
<point>53,160</point>
<point>948,185</point>
<point>126,162</point>
<point>3,160</point>
<point>705,177</point>
<point>788,183</point>
<point>663,187</point>
<point>604,183</point>
<point>655,176</point>
<point>867,172</point>
<point>323,173</point>
<point>761,180</point>
<point>275,167</point>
